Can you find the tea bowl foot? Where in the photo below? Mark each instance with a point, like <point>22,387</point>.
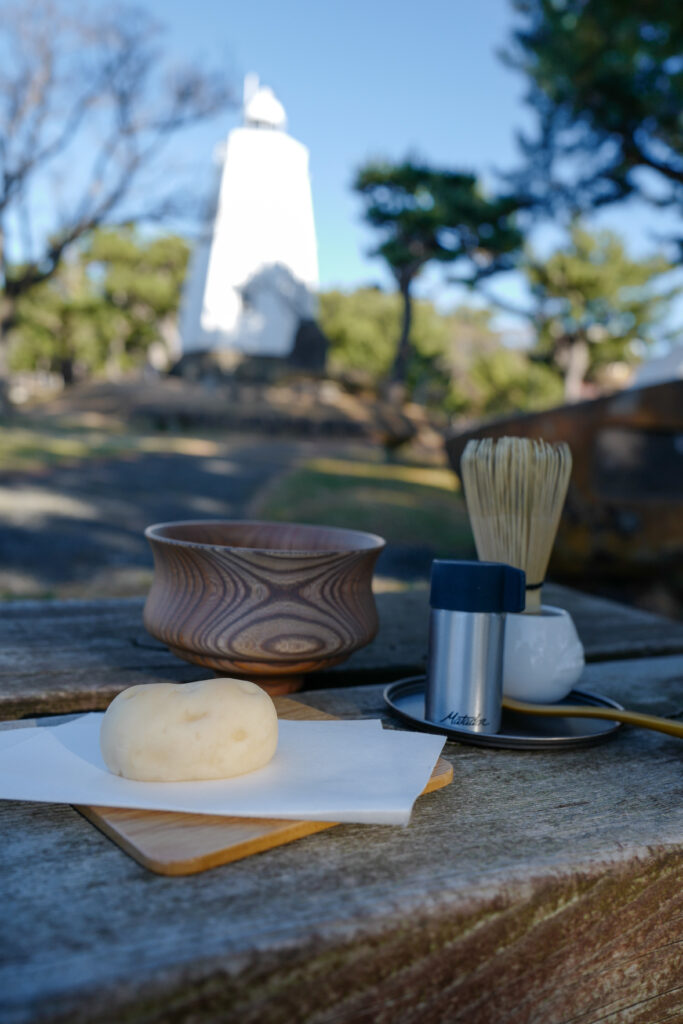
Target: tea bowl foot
<point>275,686</point>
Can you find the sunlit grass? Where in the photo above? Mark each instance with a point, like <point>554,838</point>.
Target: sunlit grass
<point>406,504</point>
<point>27,448</point>
<point>423,476</point>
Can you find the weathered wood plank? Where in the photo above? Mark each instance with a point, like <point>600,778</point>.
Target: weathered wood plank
<point>538,887</point>
<point>58,657</point>
<point>611,630</point>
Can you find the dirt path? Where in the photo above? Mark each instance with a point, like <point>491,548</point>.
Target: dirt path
<point>78,529</point>
<point>87,472</point>
<point>75,530</point>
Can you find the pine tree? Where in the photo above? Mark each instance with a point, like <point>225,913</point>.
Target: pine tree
<point>423,215</point>
<point>592,303</point>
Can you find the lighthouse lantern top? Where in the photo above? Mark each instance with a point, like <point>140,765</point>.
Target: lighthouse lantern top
<point>262,108</point>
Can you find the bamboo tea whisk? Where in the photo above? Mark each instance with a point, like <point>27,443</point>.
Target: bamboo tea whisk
<point>515,489</point>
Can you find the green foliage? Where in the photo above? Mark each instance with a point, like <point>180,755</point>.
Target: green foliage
<point>362,327</point>
<point>606,80</point>
<point>59,323</point>
<point>457,364</point>
<point>508,381</point>
<point>424,215</point>
<point>141,281</point>
<point>104,306</point>
<point>147,275</point>
<point>593,294</point>
<point>359,495</point>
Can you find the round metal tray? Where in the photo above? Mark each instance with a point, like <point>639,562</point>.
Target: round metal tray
<point>406,698</point>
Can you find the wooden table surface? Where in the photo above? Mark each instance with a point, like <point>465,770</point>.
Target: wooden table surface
<point>63,656</point>
<point>538,887</point>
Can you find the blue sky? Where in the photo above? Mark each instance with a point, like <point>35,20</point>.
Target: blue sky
<point>361,79</point>
<point>368,78</point>
<point>364,78</point>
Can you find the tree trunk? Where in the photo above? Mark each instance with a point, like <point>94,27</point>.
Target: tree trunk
<point>399,369</point>
<point>66,368</point>
<point>577,362</point>
<point>7,314</point>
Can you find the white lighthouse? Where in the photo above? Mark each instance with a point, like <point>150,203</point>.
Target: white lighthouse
<point>253,276</point>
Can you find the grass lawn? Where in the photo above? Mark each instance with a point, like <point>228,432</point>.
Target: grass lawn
<point>31,447</point>
<point>411,504</point>
<point>406,504</point>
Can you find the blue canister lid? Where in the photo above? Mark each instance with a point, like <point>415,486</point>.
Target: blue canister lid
<point>477,587</point>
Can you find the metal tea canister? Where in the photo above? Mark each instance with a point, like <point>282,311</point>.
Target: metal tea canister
<point>468,602</point>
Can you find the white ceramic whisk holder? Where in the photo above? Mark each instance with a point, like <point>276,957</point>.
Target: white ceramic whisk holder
<point>543,656</point>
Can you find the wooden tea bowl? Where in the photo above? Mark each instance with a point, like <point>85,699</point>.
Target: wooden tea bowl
<point>263,601</point>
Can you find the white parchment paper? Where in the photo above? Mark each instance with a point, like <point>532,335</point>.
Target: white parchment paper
<point>345,771</point>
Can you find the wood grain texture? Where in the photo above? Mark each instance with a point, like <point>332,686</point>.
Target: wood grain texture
<point>542,888</point>
<point>184,844</point>
<point>266,601</point>
<point>58,657</point>
<point>623,514</point>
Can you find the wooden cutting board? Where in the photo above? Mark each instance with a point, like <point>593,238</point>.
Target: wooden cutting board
<point>170,843</point>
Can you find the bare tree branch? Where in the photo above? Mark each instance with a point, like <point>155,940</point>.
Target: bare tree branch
<point>64,80</point>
